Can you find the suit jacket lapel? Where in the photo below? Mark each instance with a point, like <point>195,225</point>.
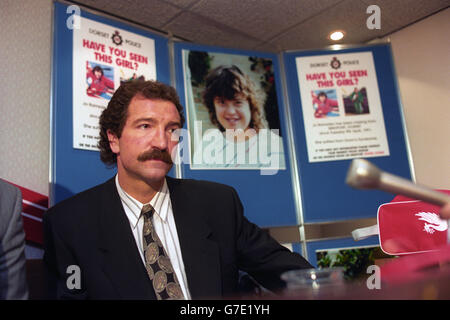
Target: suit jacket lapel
<point>121,259</point>
<point>200,254</point>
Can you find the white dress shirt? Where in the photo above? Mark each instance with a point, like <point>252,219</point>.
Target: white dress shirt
<point>164,224</point>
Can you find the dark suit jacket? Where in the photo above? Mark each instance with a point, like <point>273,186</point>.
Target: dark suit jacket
<point>91,230</point>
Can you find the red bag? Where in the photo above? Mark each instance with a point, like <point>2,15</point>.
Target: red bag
<point>409,226</point>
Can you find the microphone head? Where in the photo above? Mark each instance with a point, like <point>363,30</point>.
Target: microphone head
<point>363,175</point>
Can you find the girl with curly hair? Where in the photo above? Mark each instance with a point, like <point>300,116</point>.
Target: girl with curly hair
<point>235,108</point>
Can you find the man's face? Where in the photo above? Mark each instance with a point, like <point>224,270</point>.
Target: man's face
<point>148,128</point>
<point>322,98</point>
<point>233,114</point>
<point>97,74</point>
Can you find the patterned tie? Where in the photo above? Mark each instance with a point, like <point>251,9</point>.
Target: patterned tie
<point>157,262</point>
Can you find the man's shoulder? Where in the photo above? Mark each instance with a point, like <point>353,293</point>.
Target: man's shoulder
<point>10,205</point>
<point>8,190</point>
<point>206,199</point>
<point>82,201</point>
<point>204,186</point>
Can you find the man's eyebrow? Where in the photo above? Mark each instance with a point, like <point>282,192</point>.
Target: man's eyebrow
<point>174,123</point>
<point>152,120</point>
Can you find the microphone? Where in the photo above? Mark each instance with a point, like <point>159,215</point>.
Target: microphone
<point>364,175</point>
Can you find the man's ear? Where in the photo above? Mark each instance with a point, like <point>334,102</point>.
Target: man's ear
<point>113,141</point>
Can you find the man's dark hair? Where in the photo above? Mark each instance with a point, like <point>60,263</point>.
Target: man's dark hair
<point>113,118</point>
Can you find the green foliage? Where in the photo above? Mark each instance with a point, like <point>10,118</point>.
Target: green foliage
<point>199,63</point>
<point>264,67</point>
<point>354,261</point>
<point>323,260</point>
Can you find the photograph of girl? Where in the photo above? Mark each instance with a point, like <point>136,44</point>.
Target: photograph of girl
<point>325,103</point>
<point>99,80</point>
<point>232,114</point>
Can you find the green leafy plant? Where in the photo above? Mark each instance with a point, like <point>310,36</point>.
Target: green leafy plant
<point>354,261</point>
<point>199,63</point>
<point>267,82</point>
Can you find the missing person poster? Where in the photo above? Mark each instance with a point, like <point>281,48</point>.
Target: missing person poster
<point>103,58</point>
<point>232,111</point>
<point>341,106</point>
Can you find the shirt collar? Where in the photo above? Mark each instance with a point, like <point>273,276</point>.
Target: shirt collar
<point>159,202</point>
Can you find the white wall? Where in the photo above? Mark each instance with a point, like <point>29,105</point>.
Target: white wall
<point>422,60</point>
<point>25,33</point>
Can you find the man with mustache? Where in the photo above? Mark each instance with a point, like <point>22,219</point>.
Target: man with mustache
<point>144,235</point>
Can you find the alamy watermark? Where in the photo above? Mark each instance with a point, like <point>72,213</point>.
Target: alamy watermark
<point>374,280</point>
<point>74,20</point>
<point>374,20</point>
<point>247,149</point>
<point>74,279</point>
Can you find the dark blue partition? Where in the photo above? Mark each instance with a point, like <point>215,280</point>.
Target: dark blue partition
<point>325,196</point>
<point>74,170</point>
<point>269,200</point>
